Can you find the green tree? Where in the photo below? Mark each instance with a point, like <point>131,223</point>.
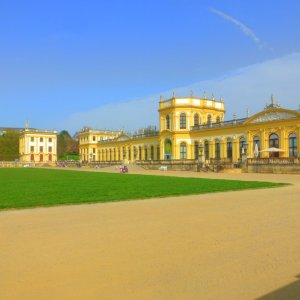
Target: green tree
<point>66,145</point>
<point>9,145</point>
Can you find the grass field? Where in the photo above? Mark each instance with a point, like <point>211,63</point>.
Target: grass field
<point>22,188</point>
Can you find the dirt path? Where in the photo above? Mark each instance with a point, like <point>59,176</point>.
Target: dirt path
<point>233,245</point>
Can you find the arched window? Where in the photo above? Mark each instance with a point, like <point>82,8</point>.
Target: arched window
<point>196,119</point>
<point>196,150</point>
<point>229,148</point>
<point>182,121</point>
<point>217,149</point>
<point>293,145</point>
<point>140,153</point>
<point>167,122</point>
<point>209,119</point>
<point>134,153</point>
<point>256,146</point>
<point>206,150</point>
<point>158,153</point>
<point>274,143</point>
<point>168,149</point>
<point>242,146</point>
<point>124,153</point>
<point>129,153</point>
<point>218,119</point>
<point>152,153</point>
<point>183,150</point>
<point>146,153</point>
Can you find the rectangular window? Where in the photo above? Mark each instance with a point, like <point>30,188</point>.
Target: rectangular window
<point>32,139</point>
<point>94,150</point>
<point>94,138</point>
<point>41,139</point>
<point>50,149</point>
<point>41,149</point>
<point>31,148</point>
<point>50,140</point>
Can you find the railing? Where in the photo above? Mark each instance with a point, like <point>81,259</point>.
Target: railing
<point>273,161</point>
<point>220,124</point>
<point>167,162</point>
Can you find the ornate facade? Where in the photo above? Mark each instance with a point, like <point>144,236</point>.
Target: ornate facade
<point>191,127</point>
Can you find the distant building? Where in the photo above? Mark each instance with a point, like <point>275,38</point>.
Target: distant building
<point>38,146</point>
<point>88,141</point>
<point>194,128</point>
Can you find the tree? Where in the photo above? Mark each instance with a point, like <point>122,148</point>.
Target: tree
<point>9,145</point>
<point>66,144</point>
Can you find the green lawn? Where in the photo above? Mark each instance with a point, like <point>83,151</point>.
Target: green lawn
<point>27,187</point>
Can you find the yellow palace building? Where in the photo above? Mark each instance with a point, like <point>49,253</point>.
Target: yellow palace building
<point>194,128</point>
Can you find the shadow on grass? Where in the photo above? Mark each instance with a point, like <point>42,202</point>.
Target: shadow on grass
<point>288,292</point>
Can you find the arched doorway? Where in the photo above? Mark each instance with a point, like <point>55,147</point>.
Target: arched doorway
<point>168,149</point>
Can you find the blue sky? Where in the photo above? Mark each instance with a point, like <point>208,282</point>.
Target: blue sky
<point>67,64</point>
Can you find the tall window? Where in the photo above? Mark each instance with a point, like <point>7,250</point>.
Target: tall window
<point>49,149</point>
<point>209,119</point>
<point>32,139</point>
<point>140,153</point>
<point>167,122</point>
<point>146,153</point>
<point>31,148</point>
<point>293,145</point>
<point>94,138</point>
<point>183,150</point>
<point>256,146</point>
<point>274,142</point>
<point>50,157</point>
<point>129,153</point>
<point>134,153</point>
<point>196,119</point>
<point>41,148</point>
<point>217,149</point>
<point>242,146</point>
<point>50,140</point>
<point>158,153</point>
<point>206,150</point>
<point>124,152</point>
<point>41,139</point>
<point>218,119</point>
<point>229,149</point>
<point>152,153</point>
<point>182,121</point>
<point>196,150</point>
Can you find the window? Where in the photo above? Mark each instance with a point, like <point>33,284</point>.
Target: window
<point>158,153</point>
<point>124,152</point>
<point>167,122</point>
<point>206,150</point>
<point>229,149</point>
<point>209,119</point>
<point>152,152</point>
<point>41,139</point>
<point>140,153</point>
<point>31,148</point>
<point>183,151</point>
<point>182,121</point>
<point>41,149</point>
<point>242,146</point>
<point>50,149</point>
<point>196,119</point>
<point>50,157</point>
<point>94,150</point>
<point>196,150</point>
<point>32,157</point>
<point>218,119</point>
<point>146,153</point>
<point>50,140</point>
<point>274,142</point>
<point>293,145</point>
<point>94,138</point>
<point>256,146</point>
<point>217,149</point>
<point>32,139</point>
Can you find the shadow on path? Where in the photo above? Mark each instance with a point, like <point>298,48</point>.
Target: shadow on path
<point>288,292</point>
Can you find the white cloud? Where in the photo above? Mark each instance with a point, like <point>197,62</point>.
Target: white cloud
<point>249,87</point>
<point>246,30</point>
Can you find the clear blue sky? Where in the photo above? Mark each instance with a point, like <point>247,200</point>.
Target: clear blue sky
<point>60,58</point>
